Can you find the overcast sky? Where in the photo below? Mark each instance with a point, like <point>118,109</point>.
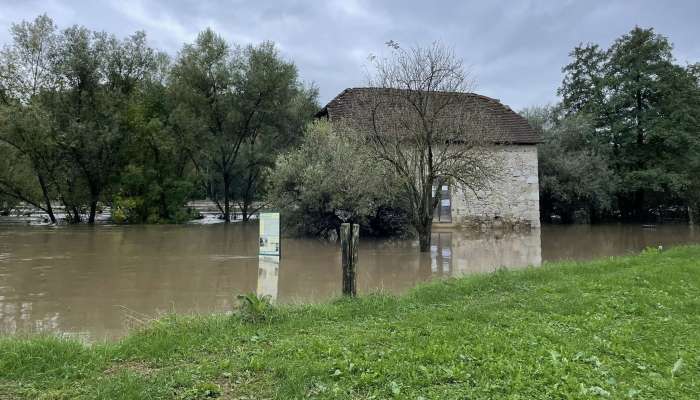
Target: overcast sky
<point>515,48</point>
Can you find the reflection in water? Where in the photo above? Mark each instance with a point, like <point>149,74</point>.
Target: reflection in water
<point>90,279</point>
<point>268,276</point>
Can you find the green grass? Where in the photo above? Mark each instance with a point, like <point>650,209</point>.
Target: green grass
<point>616,328</point>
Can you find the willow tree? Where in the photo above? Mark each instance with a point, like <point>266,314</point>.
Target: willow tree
<point>26,72</point>
<point>276,107</point>
<point>425,125</point>
<point>227,99</point>
<point>100,76</point>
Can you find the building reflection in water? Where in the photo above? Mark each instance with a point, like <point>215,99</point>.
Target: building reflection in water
<point>310,271</point>
<point>441,253</point>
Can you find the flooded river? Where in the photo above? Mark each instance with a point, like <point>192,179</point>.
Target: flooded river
<point>95,282</point>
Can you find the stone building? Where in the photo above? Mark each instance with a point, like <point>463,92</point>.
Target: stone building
<point>511,199</point>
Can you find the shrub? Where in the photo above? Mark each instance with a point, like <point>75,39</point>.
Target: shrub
<point>253,308</point>
<point>127,209</point>
<point>331,178</point>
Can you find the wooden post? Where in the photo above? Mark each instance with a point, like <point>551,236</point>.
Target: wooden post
<point>355,251</point>
<point>349,241</point>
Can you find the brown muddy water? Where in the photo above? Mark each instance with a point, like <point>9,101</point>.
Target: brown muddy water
<point>97,282</point>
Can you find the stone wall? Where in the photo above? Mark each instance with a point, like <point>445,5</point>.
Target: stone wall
<point>512,200</point>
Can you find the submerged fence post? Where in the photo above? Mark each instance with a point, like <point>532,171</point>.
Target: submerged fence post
<point>349,241</point>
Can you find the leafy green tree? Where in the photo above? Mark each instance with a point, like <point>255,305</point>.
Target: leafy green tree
<point>682,132</point>
<point>329,179</point>
<point>101,120</point>
<point>693,192</point>
<point>99,75</point>
<point>203,84</point>
<point>17,180</point>
<point>279,107</point>
<point>260,150</point>
<point>26,72</point>
<point>639,64</point>
<point>157,180</point>
<point>642,104</point>
<point>582,89</point>
<point>576,182</point>
<point>234,105</point>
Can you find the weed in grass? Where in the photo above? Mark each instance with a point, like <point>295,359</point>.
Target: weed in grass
<point>203,390</point>
<point>253,308</point>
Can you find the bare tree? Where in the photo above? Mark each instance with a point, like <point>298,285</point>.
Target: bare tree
<point>425,124</point>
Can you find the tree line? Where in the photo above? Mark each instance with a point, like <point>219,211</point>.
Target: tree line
<point>89,119</point>
<point>624,142</point>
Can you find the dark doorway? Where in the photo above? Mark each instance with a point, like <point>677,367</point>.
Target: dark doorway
<point>443,211</point>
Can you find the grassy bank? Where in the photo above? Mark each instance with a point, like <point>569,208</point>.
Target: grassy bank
<point>618,328</point>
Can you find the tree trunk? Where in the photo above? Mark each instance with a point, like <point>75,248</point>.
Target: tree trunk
<point>691,214</point>
<point>93,211</point>
<point>227,210</point>
<point>244,211</point>
<point>164,214</point>
<point>76,215</point>
<point>640,214</point>
<point>426,212</point>
<point>47,199</point>
<point>424,242</point>
<point>424,232</point>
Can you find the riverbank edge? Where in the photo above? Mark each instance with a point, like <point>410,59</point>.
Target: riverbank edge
<point>623,327</point>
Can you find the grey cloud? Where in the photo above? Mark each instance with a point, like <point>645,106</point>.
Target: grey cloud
<point>516,49</point>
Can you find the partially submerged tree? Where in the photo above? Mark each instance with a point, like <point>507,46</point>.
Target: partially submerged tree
<point>99,76</point>
<point>158,178</point>
<point>18,180</point>
<point>90,119</point>
<point>276,108</point>
<point>425,126</point>
<point>645,108</point>
<point>329,179</point>
<point>682,105</point>
<point>27,72</point>
<point>229,98</point>
<point>576,182</point>
<point>260,150</point>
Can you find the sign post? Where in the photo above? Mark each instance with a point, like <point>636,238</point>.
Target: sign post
<point>269,234</point>
<point>269,255</point>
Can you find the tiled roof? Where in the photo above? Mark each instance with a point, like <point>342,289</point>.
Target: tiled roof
<point>513,128</point>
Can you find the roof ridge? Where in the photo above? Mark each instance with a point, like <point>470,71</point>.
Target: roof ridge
<point>344,105</point>
<point>433,91</point>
